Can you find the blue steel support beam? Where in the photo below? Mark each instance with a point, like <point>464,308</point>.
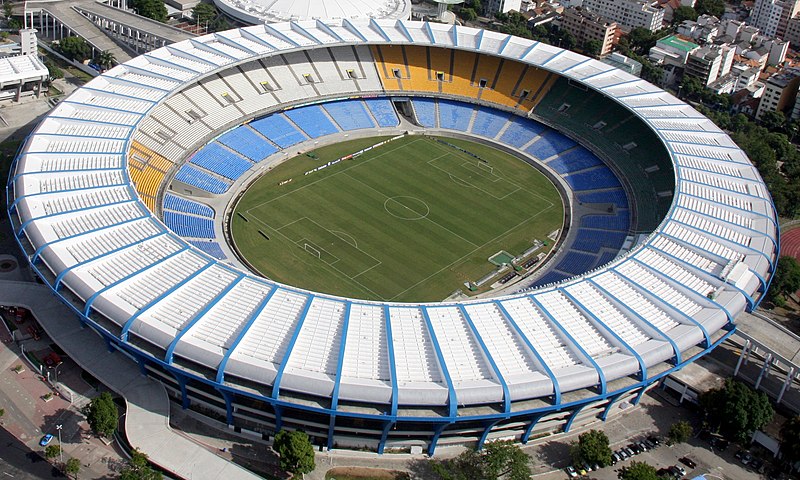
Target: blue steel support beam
<point>182,384</point>
<point>338,380</point>
<point>488,356</point>
<point>228,405</point>
<point>384,435</point>
<point>601,376</point>
<point>435,439</point>
<point>529,429</point>
<point>641,393</point>
<point>486,430</point>
<point>276,384</point>
<point>573,416</point>
<point>220,378</point>
<point>128,323</point>
<point>392,367</point>
<point>674,345</point>
<point>642,366</point>
<point>171,349</point>
<point>452,401</point>
<point>527,342</point>
<point>611,402</point>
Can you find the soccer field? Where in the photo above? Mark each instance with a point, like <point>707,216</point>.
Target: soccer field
<point>410,220</point>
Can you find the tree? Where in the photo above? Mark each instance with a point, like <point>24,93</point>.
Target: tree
<point>52,451</point>
<point>139,468</point>
<point>75,48</point>
<point>8,9</point>
<point>204,13</point>
<point>790,439</point>
<point>641,40</point>
<point>683,13</point>
<point>710,7</point>
<point>106,59</point>
<point>155,9</point>
<point>501,459</point>
<point>736,410</point>
<point>53,69</point>
<point>638,471</point>
<point>295,451</point>
<point>592,47</point>
<point>592,447</point>
<point>786,280</point>
<point>774,121</point>
<point>72,467</point>
<point>679,432</point>
<point>101,413</point>
<point>468,14</point>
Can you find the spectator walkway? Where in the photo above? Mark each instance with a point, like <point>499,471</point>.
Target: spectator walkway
<point>147,419</point>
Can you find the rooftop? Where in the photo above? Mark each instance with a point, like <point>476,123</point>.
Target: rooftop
<point>675,41</point>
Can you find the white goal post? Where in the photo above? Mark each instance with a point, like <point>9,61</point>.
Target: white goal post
<point>485,166</point>
<point>312,250</point>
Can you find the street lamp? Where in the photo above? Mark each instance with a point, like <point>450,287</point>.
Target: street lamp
<point>60,446</point>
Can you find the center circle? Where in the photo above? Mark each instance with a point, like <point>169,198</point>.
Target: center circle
<point>406,207</point>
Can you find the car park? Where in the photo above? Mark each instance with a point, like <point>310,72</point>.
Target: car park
<point>45,441</point>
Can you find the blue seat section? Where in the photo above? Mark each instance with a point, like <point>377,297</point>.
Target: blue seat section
<point>189,225</point>
<point>455,115</point>
<point>551,143</point>
<point>218,159</point>
<point>192,176</point>
<point>593,179</point>
<point>172,202</point>
<point>605,257</point>
<point>383,111</point>
<point>521,131</point>
<point>594,240</point>
<point>247,142</point>
<point>620,221</point>
<point>617,197</point>
<point>278,130</point>
<point>349,114</point>
<point>488,122</point>
<point>312,120</point>
<point>211,248</point>
<point>574,160</point>
<point>576,263</point>
<point>426,111</point>
<point>549,277</point>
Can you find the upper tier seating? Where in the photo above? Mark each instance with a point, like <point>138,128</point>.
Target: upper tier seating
<point>383,111</point>
<point>349,114</point>
<point>278,130</point>
<point>248,143</point>
<point>312,120</point>
<point>192,176</point>
<point>454,115</point>
<point>220,160</point>
<point>179,204</point>
<point>549,144</point>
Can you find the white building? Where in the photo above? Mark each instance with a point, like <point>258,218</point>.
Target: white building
<point>21,75</point>
<point>772,16</point>
<point>710,62</point>
<point>503,6</point>
<point>629,14</point>
<point>780,93</point>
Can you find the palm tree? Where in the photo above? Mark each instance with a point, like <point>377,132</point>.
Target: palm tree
<point>106,59</point>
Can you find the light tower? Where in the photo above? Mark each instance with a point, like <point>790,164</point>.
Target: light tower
<point>442,12</point>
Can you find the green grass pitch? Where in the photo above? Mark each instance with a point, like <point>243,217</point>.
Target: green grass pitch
<point>408,221</point>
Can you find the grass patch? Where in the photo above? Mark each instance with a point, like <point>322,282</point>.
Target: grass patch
<point>362,473</point>
<point>408,221</point>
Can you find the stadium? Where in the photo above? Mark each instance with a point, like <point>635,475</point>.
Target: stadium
<point>123,196</point>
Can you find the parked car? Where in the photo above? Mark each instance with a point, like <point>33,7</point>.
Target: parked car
<point>688,462</point>
<point>650,445</point>
<point>629,451</point>
<point>623,454</point>
<point>571,471</point>
<point>635,448</point>
<point>45,441</point>
<point>654,440</point>
<point>615,458</point>
<point>642,446</point>
<point>677,470</point>
<point>757,464</point>
<point>719,443</point>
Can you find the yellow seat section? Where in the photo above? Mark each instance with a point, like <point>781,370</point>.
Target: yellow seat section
<point>536,82</point>
<point>460,80</point>
<point>390,62</point>
<point>501,86</point>
<point>147,170</point>
<point>421,78</point>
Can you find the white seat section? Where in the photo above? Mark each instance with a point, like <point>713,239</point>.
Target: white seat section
<point>62,163</point>
<point>108,270</point>
<point>465,362</point>
<point>68,202</point>
<point>713,210</point>
<point>235,36</point>
<point>156,281</point>
<point>192,50</point>
<point>87,112</point>
<point>90,129</point>
<point>632,299</point>
<point>505,347</point>
<point>181,306</point>
<point>109,100</point>
<point>540,333</point>
<point>93,245</point>
<point>594,301</point>
<point>714,180</point>
<point>708,225</point>
<point>726,198</point>
<point>716,138</point>
<point>184,107</point>
<point>160,67</point>
<point>659,288</point>
<point>690,256</point>
<point>79,181</point>
<point>220,90</point>
<point>220,326</point>
<point>366,351</point>
<point>78,145</point>
<point>702,151</point>
<point>268,337</point>
<point>414,354</point>
<point>579,328</point>
<point>214,43</point>
<point>698,125</point>
<point>317,346</point>
<point>702,241</point>
<point>94,219</point>
<point>129,75</point>
<point>260,32</point>
<point>677,272</point>
<point>172,55</point>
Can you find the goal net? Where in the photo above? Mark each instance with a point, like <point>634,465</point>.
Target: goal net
<point>486,166</point>
<point>312,250</point>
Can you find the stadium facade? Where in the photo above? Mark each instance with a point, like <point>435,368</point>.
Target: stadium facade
<point>85,199</point>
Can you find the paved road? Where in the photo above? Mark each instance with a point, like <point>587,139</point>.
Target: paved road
<point>19,461</point>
